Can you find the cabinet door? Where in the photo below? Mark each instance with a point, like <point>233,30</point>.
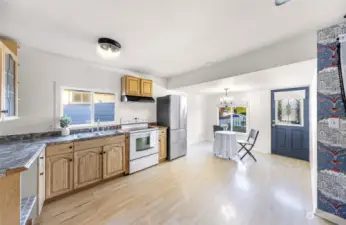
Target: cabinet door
<point>146,87</point>
<point>59,174</point>
<point>132,86</point>
<point>87,167</point>
<point>41,182</point>
<point>163,147</point>
<point>113,160</point>
<point>9,93</point>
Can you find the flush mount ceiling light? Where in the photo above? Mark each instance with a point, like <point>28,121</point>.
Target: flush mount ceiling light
<point>108,48</point>
<point>281,2</point>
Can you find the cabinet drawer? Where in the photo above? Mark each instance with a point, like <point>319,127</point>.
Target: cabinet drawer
<point>59,149</point>
<point>81,145</point>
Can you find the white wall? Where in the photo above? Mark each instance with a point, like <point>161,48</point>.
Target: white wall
<point>38,71</point>
<point>196,118</point>
<point>259,116</point>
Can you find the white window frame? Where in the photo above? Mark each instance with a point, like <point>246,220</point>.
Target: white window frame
<point>231,116</point>
<point>92,123</point>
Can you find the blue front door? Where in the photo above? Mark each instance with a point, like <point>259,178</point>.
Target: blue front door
<point>290,122</point>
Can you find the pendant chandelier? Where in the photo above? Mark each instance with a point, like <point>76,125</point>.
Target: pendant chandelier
<point>225,101</point>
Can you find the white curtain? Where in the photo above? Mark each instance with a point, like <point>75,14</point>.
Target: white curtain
<point>342,39</point>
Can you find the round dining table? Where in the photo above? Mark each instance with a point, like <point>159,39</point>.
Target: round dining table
<point>225,144</point>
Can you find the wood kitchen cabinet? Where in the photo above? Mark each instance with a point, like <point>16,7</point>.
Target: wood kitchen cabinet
<point>87,167</point>
<point>8,79</point>
<point>113,160</point>
<point>162,144</point>
<point>146,88</point>
<point>135,86</point>
<point>59,174</point>
<point>131,85</point>
<point>77,164</point>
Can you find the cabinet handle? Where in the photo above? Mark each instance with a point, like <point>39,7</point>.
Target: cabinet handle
<point>71,146</point>
<point>41,174</point>
<point>41,157</point>
<point>71,160</point>
<point>101,153</point>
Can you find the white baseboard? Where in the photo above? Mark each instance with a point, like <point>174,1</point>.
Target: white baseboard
<point>330,217</point>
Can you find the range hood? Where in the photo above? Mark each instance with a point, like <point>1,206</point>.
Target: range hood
<point>129,98</point>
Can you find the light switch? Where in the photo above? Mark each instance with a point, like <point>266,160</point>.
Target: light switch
<point>334,123</point>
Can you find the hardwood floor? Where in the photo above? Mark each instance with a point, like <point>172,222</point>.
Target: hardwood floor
<point>197,189</point>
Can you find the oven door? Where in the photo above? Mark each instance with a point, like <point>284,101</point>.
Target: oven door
<point>143,144</point>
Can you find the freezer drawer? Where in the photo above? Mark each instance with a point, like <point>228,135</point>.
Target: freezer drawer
<point>177,149</point>
<point>177,135</point>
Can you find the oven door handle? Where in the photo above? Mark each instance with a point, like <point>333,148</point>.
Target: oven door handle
<point>143,149</point>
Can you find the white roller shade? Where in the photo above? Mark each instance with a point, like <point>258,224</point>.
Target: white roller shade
<point>300,94</point>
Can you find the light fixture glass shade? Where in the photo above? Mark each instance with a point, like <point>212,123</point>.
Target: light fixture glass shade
<point>107,53</point>
<point>225,101</point>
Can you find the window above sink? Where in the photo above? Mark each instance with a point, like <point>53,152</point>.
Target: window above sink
<point>87,108</point>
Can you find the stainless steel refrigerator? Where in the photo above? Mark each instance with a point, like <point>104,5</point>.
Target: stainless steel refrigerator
<point>172,113</point>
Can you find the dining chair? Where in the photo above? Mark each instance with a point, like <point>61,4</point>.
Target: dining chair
<point>216,128</point>
<point>248,144</point>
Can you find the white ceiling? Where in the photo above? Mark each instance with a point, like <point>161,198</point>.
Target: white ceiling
<point>293,75</point>
<point>162,37</point>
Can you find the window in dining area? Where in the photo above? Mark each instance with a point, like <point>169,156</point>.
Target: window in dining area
<point>234,118</point>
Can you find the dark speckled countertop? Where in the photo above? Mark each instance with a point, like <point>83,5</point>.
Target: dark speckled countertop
<point>18,156</point>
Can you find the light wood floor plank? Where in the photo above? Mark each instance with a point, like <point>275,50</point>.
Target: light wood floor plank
<point>197,189</point>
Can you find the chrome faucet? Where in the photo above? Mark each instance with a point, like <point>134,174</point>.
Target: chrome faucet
<point>98,125</point>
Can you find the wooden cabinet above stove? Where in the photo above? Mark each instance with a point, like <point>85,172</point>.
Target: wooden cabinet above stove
<point>135,86</point>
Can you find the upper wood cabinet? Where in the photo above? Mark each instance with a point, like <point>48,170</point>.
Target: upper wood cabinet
<point>8,79</point>
<point>146,88</point>
<point>59,174</point>
<point>113,160</point>
<point>131,85</point>
<point>135,86</point>
<point>87,167</point>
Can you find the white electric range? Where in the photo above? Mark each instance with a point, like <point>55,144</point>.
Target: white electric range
<point>144,151</point>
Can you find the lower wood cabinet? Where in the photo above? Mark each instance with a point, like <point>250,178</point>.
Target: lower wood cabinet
<point>59,174</point>
<point>113,160</point>
<point>70,166</point>
<point>87,167</point>
<point>162,145</point>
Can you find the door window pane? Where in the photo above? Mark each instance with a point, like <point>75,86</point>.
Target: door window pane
<point>239,119</point>
<point>77,106</point>
<point>9,89</point>
<point>289,112</point>
<point>104,107</point>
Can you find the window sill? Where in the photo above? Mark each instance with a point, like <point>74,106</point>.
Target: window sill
<point>9,118</point>
<point>88,126</point>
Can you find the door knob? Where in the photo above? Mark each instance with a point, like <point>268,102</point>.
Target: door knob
<point>273,123</point>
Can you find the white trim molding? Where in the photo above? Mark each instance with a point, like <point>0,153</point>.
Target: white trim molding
<point>330,217</point>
